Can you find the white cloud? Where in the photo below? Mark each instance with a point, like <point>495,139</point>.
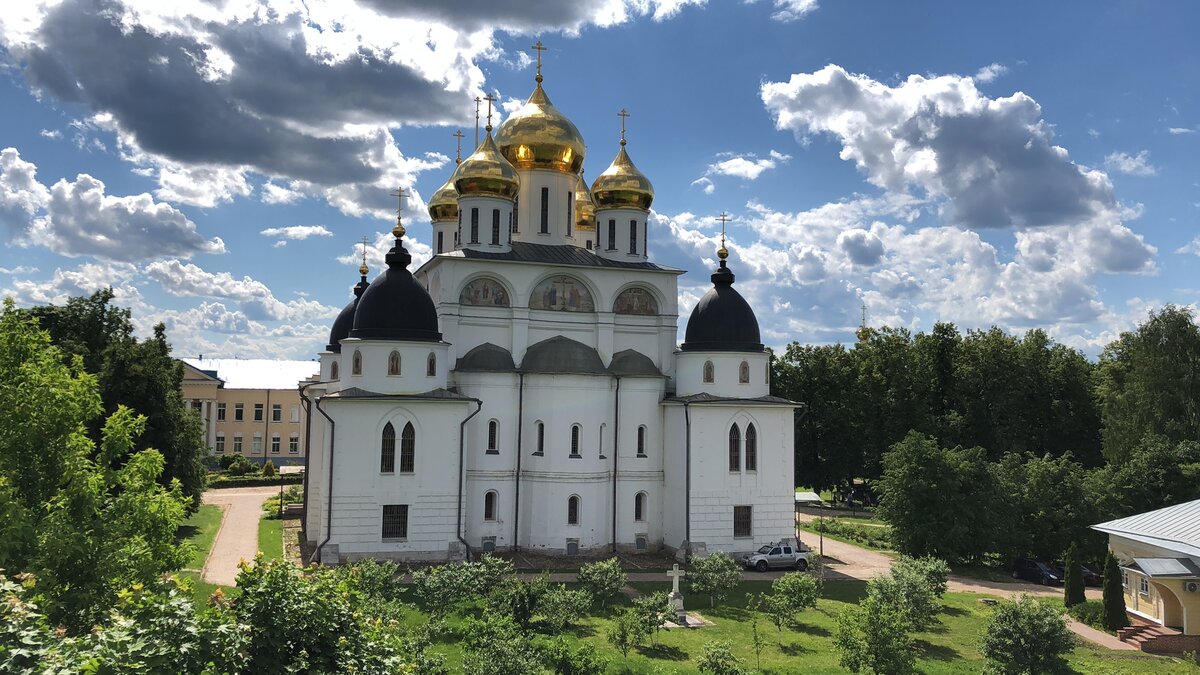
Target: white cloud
<point>52,134</point>
<point>1131,165</point>
<point>278,194</point>
<point>745,166</point>
<point>1177,131</point>
<point>1192,247</point>
<point>706,184</point>
<point>295,233</point>
<point>256,300</point>
<point>19,269</point>
<point>990,72</point>
<point>21,195</point>
<point>791,10</point>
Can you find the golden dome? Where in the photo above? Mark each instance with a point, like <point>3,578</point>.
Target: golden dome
<point>486,173</point>
<point>585,208</point>
<point>538,136</point>
<point>443,205</point>
<point>622,185</point>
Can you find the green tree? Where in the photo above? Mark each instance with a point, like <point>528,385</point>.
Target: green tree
<point>716,575</point>
<point>1073,581</point>
<point>604,579</point>
<point>873,638</point>
<point>497,645</point>
<point>718,659</point>
<point>828,447</point>
<point>1114,596</point>
<point>1024,637</point>
<point>563,660</point>
<point>653,611</point>
<point>910,592</point>
<point>1155,471</point>
<point>1052,501</point>
<point>561,606</point>
<point>890,396</point>
<point>518,599</point>
<point>790,593</point>
<point>627,632</point>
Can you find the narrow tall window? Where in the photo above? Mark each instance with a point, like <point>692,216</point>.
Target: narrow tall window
<point>294,444</point>
<point>641,441</point>
<point>295,413</point>
<point>395,521</point>
<point>735,448</point>
<point>709,375</point>
<point>612,235</point>
<point>475,226</point>
<point>440,239</point>
<point>356,363</point>
<point>431,365</point>
<point>743,521</point>
<point>220,412</point>
<point>633,236</point>
<point>575,440</point>
<point>744,373</point>
<point>516,203</point>
<point>237,443</point>
<point>220,443</point>
<point>394,363</point>
<point>239,412</point>
<point>545,211</point>
<point>495,227</point>
<point>256,448</point>
<point>276,412</point>
<point>573,510</point>
<point>333,371</point>
<point>493,434</point>
<point>258,412</point>
<point>541,438</point>
<point>600,441</point>
<point>408,448</point>
<point>751,448</point>
<point>387,450</point>
<point>570,207</point>
<point>639,507</point>
<point>275,444</point>
<point>489,505</point>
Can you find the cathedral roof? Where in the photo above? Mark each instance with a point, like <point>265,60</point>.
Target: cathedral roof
<point>487,357</point>
<point>538,136</point>
<point>345,319</point>
<point>438,394</point>
<point>395,306</point>
<point>631,363</point>
<point>722,321</point>
<point>562,355</point>
<point>710,398</point>
<point>622,185</point>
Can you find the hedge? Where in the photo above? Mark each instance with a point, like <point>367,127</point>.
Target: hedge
<point>254,481</point>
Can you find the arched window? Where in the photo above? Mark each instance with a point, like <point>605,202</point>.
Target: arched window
<point>387,452</point>
<point>573,510</point>
<point>639,507</point>
<point>744,373</point>
<point>493,434</point>
<point>431,365</point>
<point>574,440</point>
<point>541,439</point>
<point>735,448</point>
<point>356,363</point>
<point>709,376</point>
<point>408,448</point>
<point>394,363</point>
<point>333,371</point>
<point>751,448</point>
<point>641,440</point>
<point>600,441</point>
<point>489,505</point>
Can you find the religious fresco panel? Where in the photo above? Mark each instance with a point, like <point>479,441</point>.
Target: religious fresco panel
<point>562,293</point>
<point>636,301</point>
<point>484,292</point>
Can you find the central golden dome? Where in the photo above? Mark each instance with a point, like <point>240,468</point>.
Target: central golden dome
<point>486,173</point>
<point>538,136</point>
<point>622,185</point>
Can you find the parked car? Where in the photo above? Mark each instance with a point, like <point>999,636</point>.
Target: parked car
<point>781,554</point>
<point>1037,571</point>
<point>1090,578</point>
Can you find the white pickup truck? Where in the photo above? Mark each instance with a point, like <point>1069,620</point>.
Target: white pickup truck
<point>779,555</point>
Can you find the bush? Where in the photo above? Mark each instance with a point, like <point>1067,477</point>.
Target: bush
<point>268,469</point>
<point>496,645</point>
<point>560,606</point>
<point>1090,612</point>
<point>563,660</point>
<point>873,637</point>
<point>934,571</point>
<point>225,461</point>
<point>238,465</point>
<point>909,590</point>
<point>1025,636</point>
<point>718,659</point>
<point>627,632</point>
<point>517,599</point>
<point>879,538</point>
<point>603,579</point>
<point>653,611</point>
<point>716,576</point>
<point>790,593</point>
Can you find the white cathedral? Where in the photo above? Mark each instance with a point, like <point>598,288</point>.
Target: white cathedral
<point>524,390</point>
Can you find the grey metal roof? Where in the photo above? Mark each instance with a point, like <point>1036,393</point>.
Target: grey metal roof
<point>1176,527</point>
<point>487,357</point>
<point>562,355</point>
<point>1167,567</point>
<point>554,255</point>
<point>438,394</point>
<point>633,363</point>
<point>709,398</point>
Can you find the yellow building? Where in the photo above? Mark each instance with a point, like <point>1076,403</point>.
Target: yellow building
<point>1159,555</point>
<point>250,407</point>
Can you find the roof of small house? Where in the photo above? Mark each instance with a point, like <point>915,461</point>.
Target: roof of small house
<point>1174,527</point>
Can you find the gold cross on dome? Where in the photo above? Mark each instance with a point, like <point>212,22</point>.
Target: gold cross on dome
<point>365,242</point>
<point>477,102</point>
<point>490,99</point>
<point>458,152</point>
<point>399,193</point>
<point>539,49</point>
<point>623,115</point>
<point>723,252</point>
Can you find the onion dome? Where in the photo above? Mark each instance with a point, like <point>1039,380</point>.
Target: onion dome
<point>486,173</point>
<point>395,306</point>
<point>345,318</point>
<point>722,321</point>
<point>622,186</point>
<point>538,136</point>
<point>443,205</point>
<point>585,208</point>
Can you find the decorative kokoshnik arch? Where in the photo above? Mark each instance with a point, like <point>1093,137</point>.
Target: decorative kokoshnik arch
<point>562,293</point>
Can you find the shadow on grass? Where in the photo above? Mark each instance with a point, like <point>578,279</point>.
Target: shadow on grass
<point>661,651</point>
<point>810,629</point>
<point>954,611</point>
<point>936,652</point>
<point>795,649</point>
<point>851,591</point>
<point>186,532</point>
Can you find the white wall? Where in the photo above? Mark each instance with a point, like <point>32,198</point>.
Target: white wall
<point>689,374</point>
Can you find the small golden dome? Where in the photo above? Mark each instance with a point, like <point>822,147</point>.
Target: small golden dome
<point>486,173</point>
<point>585,208</point>
<point>538,136</point>
<point>443,205</point>
<point>622,185</point>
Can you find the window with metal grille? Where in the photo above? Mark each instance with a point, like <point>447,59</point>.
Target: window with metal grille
<point>545,211</point>
<point>751,448</point>
<point>575,440</point>
<point>735,448</point>
<point>612,235</point>
<point>489,505</point>
<point>641,441</point>
<point>475,226</point>
<point>394,363</point>
<point>493,433</point>
<point>395,521</point>
<point>633,236</point>
<point>743,517</point>
<point>387,451</point>
<point>573,510</point>
<point>495,227</point>
<point>408,448</point>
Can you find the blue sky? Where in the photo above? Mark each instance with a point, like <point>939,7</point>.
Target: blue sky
<point>1013,164</point>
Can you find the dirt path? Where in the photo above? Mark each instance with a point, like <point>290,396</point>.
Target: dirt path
<point>237,539</point>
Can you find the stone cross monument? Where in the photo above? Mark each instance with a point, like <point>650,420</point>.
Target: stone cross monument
<point>675,599</point>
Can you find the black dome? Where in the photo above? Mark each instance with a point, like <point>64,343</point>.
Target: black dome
<point>345,319</point>
<point>395,306</point>
<point>562,355</point>
<point>722,321</point>
<point>487,357</point>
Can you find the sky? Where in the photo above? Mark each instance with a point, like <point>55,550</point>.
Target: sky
<point>1022,164</point>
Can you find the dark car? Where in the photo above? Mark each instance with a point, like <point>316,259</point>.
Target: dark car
<point>1090,578</point>
<point>1037,571</point>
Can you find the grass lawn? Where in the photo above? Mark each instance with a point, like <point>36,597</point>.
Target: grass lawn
<point>861,531</point>
<point>807,646</point>
<point>200,530</point>
<point>270,538</point>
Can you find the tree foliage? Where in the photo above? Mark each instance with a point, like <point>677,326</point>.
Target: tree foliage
<point>627,632</point>
<point>718,659</point>
<point>1073,578</point>
<point>914,587</point>
<point>715,575</point>
<point>1114,596</point>
<point>604,579</point>
<point>873,638</point>
<point>1026,637</point>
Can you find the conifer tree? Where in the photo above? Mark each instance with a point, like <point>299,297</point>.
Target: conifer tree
<point>1073,579</point>
<point>1114,597</point>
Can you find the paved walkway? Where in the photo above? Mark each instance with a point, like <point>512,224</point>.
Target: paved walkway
<point>237,539</point>
<point>1098,637</point>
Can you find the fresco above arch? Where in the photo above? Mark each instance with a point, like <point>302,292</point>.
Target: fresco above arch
<point>562,293</point>
<point>484,292</point>
<point>636,301</point>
